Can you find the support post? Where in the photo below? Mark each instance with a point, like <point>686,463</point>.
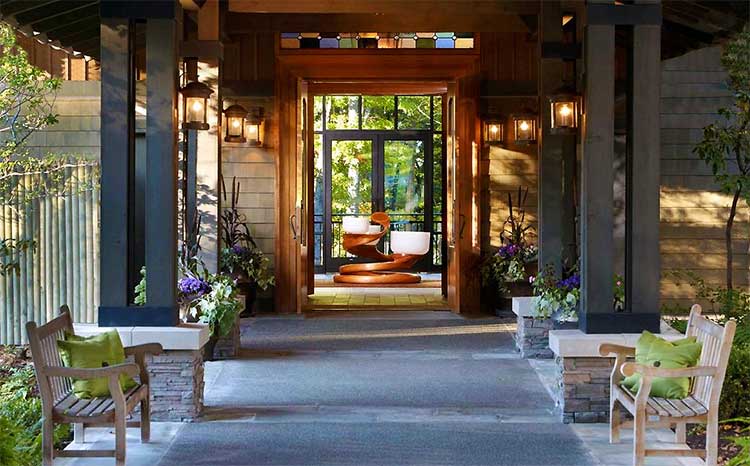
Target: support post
<point>161,184</point>
<point>550,145</point>
<point>117,152</point>
<point>642,264</point>
<point>597,176</point>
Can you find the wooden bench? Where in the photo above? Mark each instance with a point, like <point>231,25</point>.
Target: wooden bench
<point>61,406</point>
<point>700,407</point>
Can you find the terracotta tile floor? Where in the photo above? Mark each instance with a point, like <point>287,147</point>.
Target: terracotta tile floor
<point>377,298</point>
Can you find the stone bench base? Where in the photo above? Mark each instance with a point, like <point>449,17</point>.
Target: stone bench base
<point>176,375</point>
<point>532,337</point>
<point>582,389</point>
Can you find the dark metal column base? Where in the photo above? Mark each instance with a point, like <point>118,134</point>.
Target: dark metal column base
<point>620,322</point>
<point>139,316</point>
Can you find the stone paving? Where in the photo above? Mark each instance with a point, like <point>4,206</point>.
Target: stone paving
<point>361,389</point>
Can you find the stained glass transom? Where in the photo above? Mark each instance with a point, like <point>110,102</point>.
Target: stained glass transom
<point>377,40</point>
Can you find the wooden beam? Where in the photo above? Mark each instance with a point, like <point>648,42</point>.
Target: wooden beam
<point>597,177</point>
<point>208,21</point>
<point>611,14</point>
<point>415,8</point>
<point>642,264</point>
<point>550,145</point>
<point>116,153</point>
<point>161,147</point>
<point>464,21</point>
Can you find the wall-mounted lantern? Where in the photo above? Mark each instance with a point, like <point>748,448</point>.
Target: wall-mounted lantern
<point>255,126</point>
<point>195,105</point>
<point>564,110</point>
<point>494,131</point>
<point>524,128</point>
<point>235,115</point>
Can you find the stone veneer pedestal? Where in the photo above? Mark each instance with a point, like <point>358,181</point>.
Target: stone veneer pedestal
<point>532,334</point>
<point>582,389</point>
<point>176,375</point>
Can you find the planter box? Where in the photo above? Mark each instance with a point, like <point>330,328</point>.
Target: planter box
<point>229,346</point>
<point>532,334</point>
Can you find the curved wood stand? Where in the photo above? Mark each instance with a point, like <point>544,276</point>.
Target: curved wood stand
<point>385,270</point>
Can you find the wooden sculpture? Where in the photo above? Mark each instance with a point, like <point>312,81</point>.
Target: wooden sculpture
<point>388,266</point>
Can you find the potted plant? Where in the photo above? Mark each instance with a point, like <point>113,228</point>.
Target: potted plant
<point>240,257</point>
<point>218,308</point>
<point>557,299</point>
<point>505,273</point>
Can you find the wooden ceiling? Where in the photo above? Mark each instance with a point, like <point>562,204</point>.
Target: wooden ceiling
<point>73,25</point>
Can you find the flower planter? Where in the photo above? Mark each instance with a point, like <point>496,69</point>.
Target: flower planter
<point>228,346</point>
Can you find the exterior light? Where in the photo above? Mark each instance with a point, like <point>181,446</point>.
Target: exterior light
<point>524,128</point>
<point>195,105</point>
<point>255,126</point>
<point>235,123</point>
<point>564,110</point>
<point>494,132</point>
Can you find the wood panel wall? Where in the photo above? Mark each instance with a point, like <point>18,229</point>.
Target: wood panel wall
<point>510,60</point>
<point>693,212</point>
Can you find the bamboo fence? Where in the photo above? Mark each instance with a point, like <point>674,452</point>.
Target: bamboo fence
<point>63,267</point>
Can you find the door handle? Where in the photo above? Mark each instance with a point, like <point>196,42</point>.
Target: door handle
<point>292,226</point>
<point>463,225</point>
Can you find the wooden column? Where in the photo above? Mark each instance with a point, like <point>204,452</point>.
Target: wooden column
<point>550,145</point>
<point>642,265</point>
<point>117,152</point>
<point>161,185</point>
<point>597,176</point>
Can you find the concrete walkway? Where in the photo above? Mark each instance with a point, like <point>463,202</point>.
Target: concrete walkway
<point>417,388</point>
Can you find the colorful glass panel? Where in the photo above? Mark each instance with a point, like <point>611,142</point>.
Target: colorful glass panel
<point>376,40</point>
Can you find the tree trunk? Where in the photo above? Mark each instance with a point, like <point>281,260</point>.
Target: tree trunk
<point>728,237</point>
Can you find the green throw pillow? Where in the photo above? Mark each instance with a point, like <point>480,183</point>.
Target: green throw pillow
<point>654,351</point>
<point>101,350</point>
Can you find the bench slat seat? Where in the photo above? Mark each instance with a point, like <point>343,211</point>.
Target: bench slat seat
<point>95,410</point>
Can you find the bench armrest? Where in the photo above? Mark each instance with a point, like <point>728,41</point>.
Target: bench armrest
<point>146,348</point>
<point>606,349</point>
<point>127,368</point>
<point>650,371</point>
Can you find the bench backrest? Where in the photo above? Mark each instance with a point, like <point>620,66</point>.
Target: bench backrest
<point>717,344</point>
<point>43,344</point>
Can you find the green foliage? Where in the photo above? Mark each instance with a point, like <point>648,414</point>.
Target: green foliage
<point>729,303</point>
<point>725,147</point>
<point>8,249</point>
<point>140,289</point>
<point>734,399</point>
<point>743,457</point>
<point>220,307</point>
<point>249,263</point>
<point>555,297</point>
<point>20,420</point>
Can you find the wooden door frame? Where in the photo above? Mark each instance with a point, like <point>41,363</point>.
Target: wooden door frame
<point>373,73</point>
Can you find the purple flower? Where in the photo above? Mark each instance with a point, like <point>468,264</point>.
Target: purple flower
<point>570,283</point>
<point>193,287</point>
<point>239,250</point>
<point>509,250</point>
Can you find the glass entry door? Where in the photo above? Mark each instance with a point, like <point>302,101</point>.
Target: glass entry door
<point>377,172</point>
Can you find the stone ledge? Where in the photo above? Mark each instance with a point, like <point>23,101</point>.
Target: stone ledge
<point>184,337</point>
<point>575,343</point>
<point>523,306</point>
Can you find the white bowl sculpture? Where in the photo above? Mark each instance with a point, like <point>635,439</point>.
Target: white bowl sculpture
<point>410,242</point>
<point>355,225</point>
<point>374,229</point>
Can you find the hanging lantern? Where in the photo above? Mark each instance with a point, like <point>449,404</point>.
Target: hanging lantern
<point>235,115</point>
<point>195,105</point>
<point>564,110</point>
<point>494,131</point>
<point>255,126</point>
<point>524,128</point>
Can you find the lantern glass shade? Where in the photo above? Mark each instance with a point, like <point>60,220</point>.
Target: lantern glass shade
<point>235,115</point>
<point>564,114</point>
<point>524,129</point>
<point>195,105</point>
<point>494,131</point>
<point>255,126</point>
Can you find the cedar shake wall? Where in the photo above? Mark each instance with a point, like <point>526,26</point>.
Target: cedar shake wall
<point>693,212</point>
